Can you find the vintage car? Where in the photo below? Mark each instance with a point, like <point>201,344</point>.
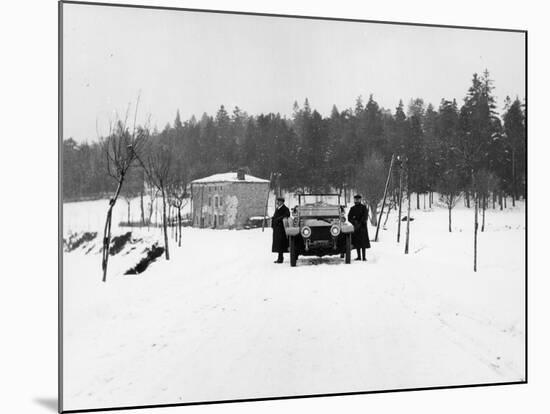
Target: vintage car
<point>318,227</point>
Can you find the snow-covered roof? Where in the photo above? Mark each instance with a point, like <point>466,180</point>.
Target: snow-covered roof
<point>228,177</point>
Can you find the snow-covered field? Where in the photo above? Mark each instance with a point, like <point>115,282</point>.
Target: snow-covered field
<point>221,321</point>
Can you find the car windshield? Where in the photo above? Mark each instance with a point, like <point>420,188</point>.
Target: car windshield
<point>319,199</point>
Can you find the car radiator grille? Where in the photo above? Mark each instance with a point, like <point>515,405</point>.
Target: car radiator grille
<point>320,233</point>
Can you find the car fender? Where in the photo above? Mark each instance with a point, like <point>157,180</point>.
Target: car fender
<point>292,231</point>
<point>346,228</point>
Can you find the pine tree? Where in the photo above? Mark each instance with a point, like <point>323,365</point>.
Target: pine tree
<point>177,122</point>
<point>415,153</point>
<point>431,144</point>
<point>478,127</point>
<point>515,143</point>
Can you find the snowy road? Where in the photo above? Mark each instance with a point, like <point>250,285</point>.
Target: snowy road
<point>226,323</point>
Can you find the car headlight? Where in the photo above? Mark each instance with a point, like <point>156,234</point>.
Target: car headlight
<point>306,232</point>
<point>335,230</point>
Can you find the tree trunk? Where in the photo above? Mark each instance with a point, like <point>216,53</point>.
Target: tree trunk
<point>417,201</point>
<point>156,211</point>
<point>408,223</point>
<point>151,202</point>
<point>475,223</point>
<point>500,200</point>
<point>514,188</point>
<point>505,197</point>
<point>141,206</point>
<point>494,199</point>
<point>128,202</point>
<point>400,202</point>
<point>384,198</point>
<point>166,252</point>
<point>387,215</point>
<point>468,199</point>
<point>179,226</point>
<point>431,199</point>
<point>424,201</point>
<point>450,209</point>
<point>484,207</point>
<point>170,219</point>
<point>107,230</point>
<point>374,214</point>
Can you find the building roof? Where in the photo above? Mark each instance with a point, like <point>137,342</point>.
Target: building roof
<point>229,177</point>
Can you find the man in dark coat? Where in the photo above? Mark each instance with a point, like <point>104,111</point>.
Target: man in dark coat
<point>357,216</point>
<point>280,239</point>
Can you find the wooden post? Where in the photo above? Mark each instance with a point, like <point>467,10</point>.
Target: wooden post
<point>384,198</point>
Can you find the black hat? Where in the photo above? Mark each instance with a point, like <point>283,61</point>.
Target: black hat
<point>280,199</point>
<point>357,196</point>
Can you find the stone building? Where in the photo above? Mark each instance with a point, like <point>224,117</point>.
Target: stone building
<point>227,200</point>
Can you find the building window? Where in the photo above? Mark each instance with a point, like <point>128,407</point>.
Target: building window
<point>215,201</point>
<point>221,201</point>
<point>221,220</point>
<point>209,201</point>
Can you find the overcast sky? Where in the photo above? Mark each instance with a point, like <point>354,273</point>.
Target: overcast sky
<point>195,62</point>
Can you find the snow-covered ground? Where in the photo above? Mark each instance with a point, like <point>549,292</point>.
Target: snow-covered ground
<point>221,321</point>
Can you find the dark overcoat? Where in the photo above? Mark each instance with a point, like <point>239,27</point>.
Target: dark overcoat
<point>280,239</point>
<point>357,216</point>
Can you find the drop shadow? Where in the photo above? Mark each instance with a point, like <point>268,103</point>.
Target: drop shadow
<point>49,403</point>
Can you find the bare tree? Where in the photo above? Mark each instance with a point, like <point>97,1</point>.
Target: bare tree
<point>152,193</point>
<point>178,198</point>
<point>142,216</point>
<point>121,149</point>
<point>158,167</point>
<point>449,190</point>
<point>128,199</point>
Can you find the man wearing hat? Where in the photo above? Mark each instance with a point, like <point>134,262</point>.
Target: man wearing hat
<point>357,216</point>
<point>280,240</point>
